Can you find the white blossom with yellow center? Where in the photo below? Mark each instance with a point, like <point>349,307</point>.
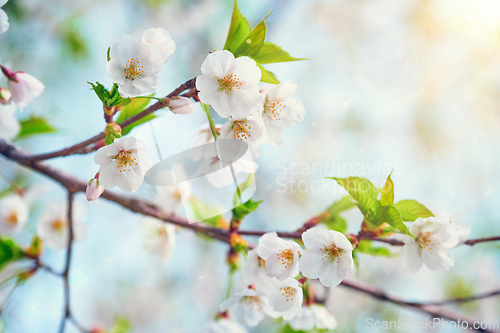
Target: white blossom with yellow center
<point>328,256</point>
<point>280,110</point>
<point>287,299</point>
<point>281,256</point>
<point>123,163</point>
<point>229,85</point>
<point>249,306</point>
<point>53,224</point>
<point>248,128</point>
<point>133,66</point>
<point>433,237</point>
<point>13,214</point>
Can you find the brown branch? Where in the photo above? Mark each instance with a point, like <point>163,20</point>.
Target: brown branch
<point>82,147</point>
<point>428,308</point>
<point>397,242</point>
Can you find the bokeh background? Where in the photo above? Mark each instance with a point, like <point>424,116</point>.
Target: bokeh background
<point>410,85</point>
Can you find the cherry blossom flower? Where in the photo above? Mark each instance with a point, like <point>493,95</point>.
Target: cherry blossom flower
<point>181,105</point>
<point>158,39</point>
<point>247,129</point>
<point>133,66</point>
<point>14,213</point>
<point>434,236</point>
<point>23,87</point>
<point>4,20</point>
<point>160,237</point>
<point>281,256</point>
<point>254,273</point>
<point>229,85</point>
<point>313,316</point>
<point>53,224</point>
<point>280,110</point>
<point>287,299</point>
<point>123,163</point>
<point>94,190</point>
<point>250,306</point>
<point>9,126</point>
<point>5,96</point>
<point>328,256</point>
<point>224,325</point>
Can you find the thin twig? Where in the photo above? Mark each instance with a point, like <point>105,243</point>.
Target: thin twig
<point>428,308</point>
<point>65,273</point>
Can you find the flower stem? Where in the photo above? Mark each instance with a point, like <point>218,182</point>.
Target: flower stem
<point>208,112</point>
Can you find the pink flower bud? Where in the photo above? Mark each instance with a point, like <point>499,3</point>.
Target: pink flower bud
<point>94,190</point>
<point>5,96</point>
<point>181,105</point>
<point>23,87</point>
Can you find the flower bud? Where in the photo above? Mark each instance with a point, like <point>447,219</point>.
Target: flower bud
<point>181,105</point>
<point>94,189</point>
<point>112,131</point>
<point>5,96</point>
<point>35,249</point>
<point>97,330</point>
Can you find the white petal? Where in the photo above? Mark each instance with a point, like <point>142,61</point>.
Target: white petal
<point>310,262</point>
<point>438,260</point>
<point>246,70</point>
<point>217,63</point>
<point>410,257</point>
<point>316,237</point>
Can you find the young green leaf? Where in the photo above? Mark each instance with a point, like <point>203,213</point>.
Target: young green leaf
<point>387,197</point>
<point>341,205</point>
<point>241,211</point>
<point>108,56</point>
<point>35,125</point>
<point>335,222</point>
<point>242,187</point>
<point>135,106</point>
<point>390,215</point>
<point>9,252</point>
<point>238,30</point>
<point>201,211</point>
<point>271,53</point>
<point>410,210</point>
<point>252,44</point>
<point>361,190</point>
<point>100,91</point>
<point>268,76</point>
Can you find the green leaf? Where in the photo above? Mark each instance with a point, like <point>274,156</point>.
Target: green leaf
<point>363,191</point>
<point>366,246</point>
<point>387,197</point>
<point>108,54</point>
<point>100,91</point>
<point>238,30</point>
<point>201,210</point>
<point>268,76</point>
<point>122,325</point>
<point>35,125</point>
<point>271,53</point>
<point>135,106</point>
<point>341,205</point>
<point>390,215</point>
<point>252,44</point>
<point>410,210</point>
<point>336,222</point>
<point>241,211</point>
<point>9,252</point>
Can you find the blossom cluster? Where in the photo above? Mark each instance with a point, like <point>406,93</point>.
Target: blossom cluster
<point>270,272</point>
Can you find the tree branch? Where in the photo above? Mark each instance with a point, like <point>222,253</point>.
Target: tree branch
<point>397,242</point>
<point>428,308</point>
<point>69,249</point>
<point>82,147</point>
